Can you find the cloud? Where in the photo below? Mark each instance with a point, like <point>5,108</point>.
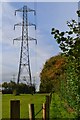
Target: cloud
<point>10,52</point>
<point>0,42</point>
<point>39,53</point>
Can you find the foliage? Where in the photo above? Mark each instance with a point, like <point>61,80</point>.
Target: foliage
<point>60,109</point>
<point>69,42</point>
<point>52,73</point>
<point>62,72</point>
<point>78,12</point>
<point>12,87</point>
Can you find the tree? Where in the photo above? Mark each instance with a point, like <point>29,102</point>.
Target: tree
<point>12,85</point>
<point>69,42</point>
<point>5,85</point>
<point>21,88</point>
<point>52,73</point>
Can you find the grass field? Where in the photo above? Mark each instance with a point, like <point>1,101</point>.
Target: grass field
<point>58,107</point>
<point>25,99</point>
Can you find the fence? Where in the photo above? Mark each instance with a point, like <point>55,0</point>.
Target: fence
<point>45,109</point>
<point>15,109</point>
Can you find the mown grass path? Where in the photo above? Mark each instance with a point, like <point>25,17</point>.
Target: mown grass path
<point>60,109</point>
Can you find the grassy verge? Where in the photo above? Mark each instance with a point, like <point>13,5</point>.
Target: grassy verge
<point>60,109</point>
<point>25,99</point>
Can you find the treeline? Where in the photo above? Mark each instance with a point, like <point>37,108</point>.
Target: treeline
<point>62,72</point>
<point>21,88</point>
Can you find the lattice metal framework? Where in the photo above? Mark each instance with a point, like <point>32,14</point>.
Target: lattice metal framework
<point>24,72</point>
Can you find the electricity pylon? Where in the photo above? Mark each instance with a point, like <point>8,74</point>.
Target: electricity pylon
<point>24,73</point>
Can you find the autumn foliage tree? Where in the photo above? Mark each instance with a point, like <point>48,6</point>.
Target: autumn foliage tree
<point>52,73</point>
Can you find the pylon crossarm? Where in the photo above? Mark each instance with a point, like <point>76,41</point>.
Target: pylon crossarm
<point>26,10</point>
<point>31,24</point>
<point>18,39</point>
<point>30,38</point>
<point>19,10</point>
<point>31,10</point>
<point>18,24</point>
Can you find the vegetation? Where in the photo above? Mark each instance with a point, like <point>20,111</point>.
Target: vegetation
<point>69,42</point>
<point>62,72</point>
<point>52,73</point>
<point>60,108</point>
<point>21,88</point>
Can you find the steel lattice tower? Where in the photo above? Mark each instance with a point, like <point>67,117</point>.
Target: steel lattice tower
<point>24,72</point>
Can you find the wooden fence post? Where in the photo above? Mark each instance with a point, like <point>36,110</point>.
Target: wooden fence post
<point>50,97</point>
<point>15,109</point>
<point>44,111</point>
<point>31,112</point>
<point>47,106</point>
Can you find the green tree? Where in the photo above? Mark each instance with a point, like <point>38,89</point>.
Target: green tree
<point>12,85</point>
<point>5,85</point>
<point>16,89</point>
<point>69,42</point>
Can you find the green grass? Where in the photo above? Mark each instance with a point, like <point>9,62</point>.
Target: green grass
<point>25,99</point>
<point>57,109</point>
